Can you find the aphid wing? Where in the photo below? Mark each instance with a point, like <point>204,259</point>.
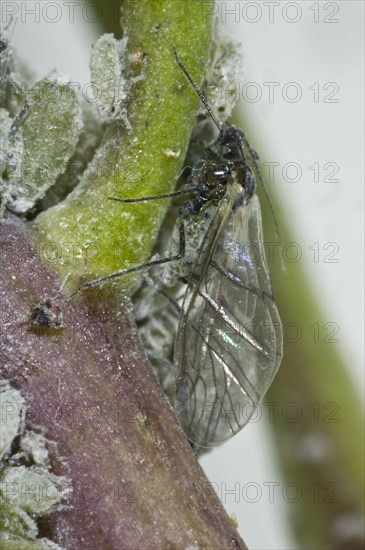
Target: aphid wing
<point>229,342</point>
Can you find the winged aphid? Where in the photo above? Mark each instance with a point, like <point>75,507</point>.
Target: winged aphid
<point>228,344</point>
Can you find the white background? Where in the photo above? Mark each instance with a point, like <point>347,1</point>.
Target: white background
<point>304,132</point>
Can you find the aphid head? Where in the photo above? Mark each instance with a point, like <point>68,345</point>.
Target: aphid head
<point>230,141</point>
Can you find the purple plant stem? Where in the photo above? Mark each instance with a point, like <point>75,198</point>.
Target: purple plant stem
<point>134,481</point>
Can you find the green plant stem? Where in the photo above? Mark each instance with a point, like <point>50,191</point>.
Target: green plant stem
<point>90,234</point>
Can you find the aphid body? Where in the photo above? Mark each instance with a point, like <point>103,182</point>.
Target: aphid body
<point>229,339</point>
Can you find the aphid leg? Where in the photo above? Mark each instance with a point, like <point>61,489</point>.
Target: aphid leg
<point>171,301</point>
<point>122,272</point>
<point>151,281</point>
<point>154,197</point>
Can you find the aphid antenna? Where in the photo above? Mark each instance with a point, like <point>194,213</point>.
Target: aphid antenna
<point>271,206</point>
<point>202,97</point>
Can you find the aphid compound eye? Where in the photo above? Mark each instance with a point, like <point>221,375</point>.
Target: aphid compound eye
<point>228,344</point>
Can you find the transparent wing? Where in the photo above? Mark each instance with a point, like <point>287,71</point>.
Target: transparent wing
<point>229,341</point>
